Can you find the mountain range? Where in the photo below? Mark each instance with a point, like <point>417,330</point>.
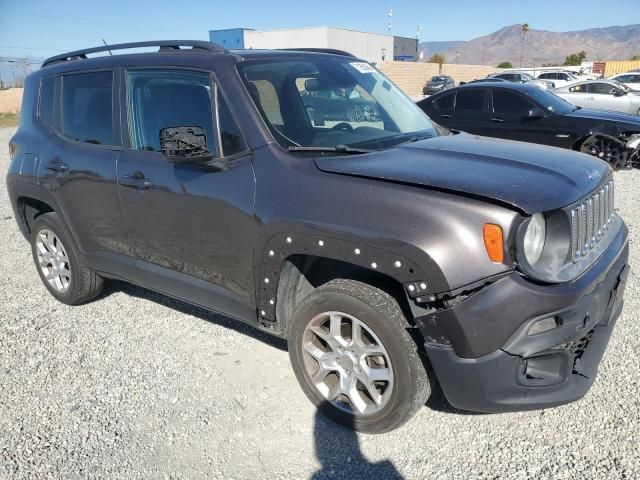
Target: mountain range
<point>539,46</point>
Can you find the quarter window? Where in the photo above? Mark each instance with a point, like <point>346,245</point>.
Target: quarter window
<point>87,107</point>
<point>47,101</point>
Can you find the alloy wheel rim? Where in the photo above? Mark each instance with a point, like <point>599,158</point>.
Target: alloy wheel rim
<point>604,150</point>
<point>53,260</point>
<point>347,363</point>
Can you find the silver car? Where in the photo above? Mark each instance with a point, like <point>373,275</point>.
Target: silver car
<point>601,94</point>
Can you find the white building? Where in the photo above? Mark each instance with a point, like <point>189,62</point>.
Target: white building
<point>372,47</point>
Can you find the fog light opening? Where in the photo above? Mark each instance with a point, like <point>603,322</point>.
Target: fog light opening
<point>544,325</point>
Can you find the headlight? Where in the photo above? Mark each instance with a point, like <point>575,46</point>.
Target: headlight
<point>534,238</point>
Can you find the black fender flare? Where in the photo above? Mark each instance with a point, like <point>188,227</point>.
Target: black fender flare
<point>405,263</point>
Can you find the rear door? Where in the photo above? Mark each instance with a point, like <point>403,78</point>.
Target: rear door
<point>471,112</point>
<point>190,226</point>
<point>78,161</point>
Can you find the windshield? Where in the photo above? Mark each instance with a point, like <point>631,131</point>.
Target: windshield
<point>329,101</point>
<point>438,79</point>
<point>551,101</point>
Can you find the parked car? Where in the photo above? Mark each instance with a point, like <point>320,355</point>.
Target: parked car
<point>336,105</point>
<point>631,80</point>
<point>602,94</point>
<point>521,77</point>
<point>484,80</point>
<point>438,84</point>
<point>526,113</point>
<point>559,78</point>
<point>196,172</point>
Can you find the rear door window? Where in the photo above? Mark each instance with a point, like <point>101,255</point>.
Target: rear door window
<point>472,100</point>
<point>87,107</point>
<point>445,102</point>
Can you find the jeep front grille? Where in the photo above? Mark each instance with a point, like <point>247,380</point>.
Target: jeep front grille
<point>590,219</point>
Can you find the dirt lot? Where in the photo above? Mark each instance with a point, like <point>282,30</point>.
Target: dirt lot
<point>136,385</point>
<point>10,100</point>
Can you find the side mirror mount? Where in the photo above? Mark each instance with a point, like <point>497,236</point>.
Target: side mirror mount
<point>185,145</point>
<point>534,114</point>
<point>618,92</point>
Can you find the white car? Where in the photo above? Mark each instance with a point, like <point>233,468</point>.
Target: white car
<point>630,79</point>
<point>602,95</point>
<point>559,78</point>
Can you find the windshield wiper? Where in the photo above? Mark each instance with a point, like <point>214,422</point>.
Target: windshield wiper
<point>335,149</point>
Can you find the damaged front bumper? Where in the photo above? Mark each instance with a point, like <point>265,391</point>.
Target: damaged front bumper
<point>529,370</point>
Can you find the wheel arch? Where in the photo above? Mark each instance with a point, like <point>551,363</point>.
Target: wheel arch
<point>291,266</point>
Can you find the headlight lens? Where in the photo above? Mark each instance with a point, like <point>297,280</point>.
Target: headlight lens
<point>534,238</point>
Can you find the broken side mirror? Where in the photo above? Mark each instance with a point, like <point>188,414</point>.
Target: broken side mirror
<point>185,145</point>
<point>534,114</point>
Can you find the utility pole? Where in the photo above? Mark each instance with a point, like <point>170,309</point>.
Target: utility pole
<point>418,33</point>
<point>389,24</point>
<point>458,56</point>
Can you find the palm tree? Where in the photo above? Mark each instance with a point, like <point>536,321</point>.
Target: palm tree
<point>523,29</point>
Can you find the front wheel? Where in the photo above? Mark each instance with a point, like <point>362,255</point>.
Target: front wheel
<point>354,358</point>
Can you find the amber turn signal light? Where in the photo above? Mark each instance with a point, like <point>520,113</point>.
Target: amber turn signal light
<point>493,242</point>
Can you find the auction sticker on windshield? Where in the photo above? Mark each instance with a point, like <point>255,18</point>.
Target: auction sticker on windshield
<point>363,67</point>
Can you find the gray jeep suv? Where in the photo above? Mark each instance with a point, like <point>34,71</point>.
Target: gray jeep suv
<point>376,245</point>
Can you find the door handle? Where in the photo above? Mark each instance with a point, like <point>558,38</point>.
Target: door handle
<point>497,120</point>
<point>590,98</point>
<point>57,167</point>
<point>445,116</point>
<point>137,180</point>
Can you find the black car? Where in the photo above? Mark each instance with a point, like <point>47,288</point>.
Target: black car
<point>530,114</point>
<point>438,84</point>
<point>197,172</point>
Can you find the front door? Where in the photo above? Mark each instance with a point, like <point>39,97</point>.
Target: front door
<point>604,96</point>
<point>190,225</point>
<point>510,119</point>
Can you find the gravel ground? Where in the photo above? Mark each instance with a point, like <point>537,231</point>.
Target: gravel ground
<point>136,385</point>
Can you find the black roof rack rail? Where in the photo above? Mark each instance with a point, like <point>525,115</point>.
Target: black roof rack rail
<point>332,51</point>
<point>164,45</point>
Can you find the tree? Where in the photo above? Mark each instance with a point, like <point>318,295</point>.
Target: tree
<point>524,29</point>
<point>436,58</point>
<point>635,57</point>
<point>505,65</point>
<point>575,58</point>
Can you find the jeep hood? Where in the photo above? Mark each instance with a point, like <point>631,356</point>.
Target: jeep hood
<point>531,178</point>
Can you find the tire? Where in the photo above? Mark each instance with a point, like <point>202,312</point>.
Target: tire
<point>379,316</point>
<point>59,265</point>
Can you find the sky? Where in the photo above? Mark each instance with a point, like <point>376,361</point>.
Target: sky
<point>38,28</point>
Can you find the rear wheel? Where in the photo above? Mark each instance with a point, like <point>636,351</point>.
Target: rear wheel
<point>605,149</point>
<point>59,265</point>
<point>352,354</point>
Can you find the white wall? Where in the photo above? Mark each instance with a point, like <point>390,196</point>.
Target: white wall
<point>368,46</point>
